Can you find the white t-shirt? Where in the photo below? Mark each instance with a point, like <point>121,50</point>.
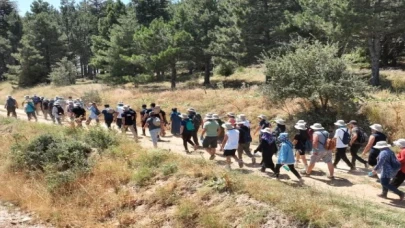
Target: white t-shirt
<point>339,136</point>
<point>120,110</point>
<point>233,140</point>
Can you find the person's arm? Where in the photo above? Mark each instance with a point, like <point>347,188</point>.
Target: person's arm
<point>259,147</point>
<point>203,131</point>
<point>401,156</point>
<point>224,142</point>
<point>257,129</point>
<point>146,125</point>
<point>369,145</point>
<point>354,138</point>
<point>181,129</point>
<point>380,161</point>
<point>315,142</point>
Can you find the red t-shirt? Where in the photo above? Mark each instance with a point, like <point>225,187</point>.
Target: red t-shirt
<point>401,158</point>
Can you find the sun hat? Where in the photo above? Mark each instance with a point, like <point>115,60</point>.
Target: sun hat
<point>227,126</point>
<point>340,123</point>
<point>8,96</point>
<point>400,143</point>
<point>191,110</point>
<point>208,117</point>
<point>280,121</point>
<point>57,103</point>
<point>377,127</point>
<point>300,126</point>
<point>382,145</point>
<point>266,130</point>
<point>261,116</point>
<point>126,106</point>
<point>317,126</point>
<point>301,122</point>
<point>242,117</point>
<point>240,121</point>
<point>353,122</point>
<point>26,96</point>
<point>231,114</point>
<point>184,116</point>
<point>215,117</point>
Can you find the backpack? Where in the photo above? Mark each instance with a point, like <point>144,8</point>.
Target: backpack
<point>362,136</point>
<point>197,120</point>
<point>247,136</point>
<point>156,121</point>
<point>190,125</point>
<point>346,137</point>
<point>11,103</point>
<point>395,164</point>
<point>60,110</point>
<point>97,112</point>
<point>329,143</point>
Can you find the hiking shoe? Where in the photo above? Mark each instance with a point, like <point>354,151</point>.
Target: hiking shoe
<point>366,165</point>
<point>187,151</point>
<point>240,162</point>
<point>263,169</point>
<point>212,157</point>
<point>401,197</point>
<point>296,165</point>
<point>331,177</point>
<point>253,160</point>
<point>384,196</point>
<point>353,169</point>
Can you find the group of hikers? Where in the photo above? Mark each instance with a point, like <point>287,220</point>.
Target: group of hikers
<point>233,135</point>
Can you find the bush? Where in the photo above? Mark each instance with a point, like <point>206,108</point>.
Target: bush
<point>226,68</point>
<point>64,73</point>
<point>142,176</point>
<point>100,139</point>
<point>91,96</point>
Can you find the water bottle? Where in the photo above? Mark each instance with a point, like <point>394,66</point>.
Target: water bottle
<point>286,168</point>
<point>370,174</point>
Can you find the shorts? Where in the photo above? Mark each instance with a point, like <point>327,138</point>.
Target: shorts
<point>325,156</point>
<point>301,152</point>
<point>210,142</point>
<point>229,152</point>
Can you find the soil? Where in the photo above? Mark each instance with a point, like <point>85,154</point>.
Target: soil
<point>355,183</point>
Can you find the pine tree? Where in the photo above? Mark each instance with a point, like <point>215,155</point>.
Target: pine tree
<point>148,10</point>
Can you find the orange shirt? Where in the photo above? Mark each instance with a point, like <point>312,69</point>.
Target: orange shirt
<point>401,158</point>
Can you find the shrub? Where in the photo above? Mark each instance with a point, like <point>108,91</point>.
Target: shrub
<point>168,169</point>
<point>225,68</point>
<point>64,73</point>
<point>91,96</point>
<point>101,139</point>
<point>142,176</point>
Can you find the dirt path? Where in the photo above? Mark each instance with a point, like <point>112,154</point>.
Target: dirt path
<point>355,184</point>
<point>13,217</point>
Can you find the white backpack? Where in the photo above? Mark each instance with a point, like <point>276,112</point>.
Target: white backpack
<point>156,121</point>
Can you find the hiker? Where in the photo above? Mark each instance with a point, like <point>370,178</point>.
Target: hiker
<point>94,113</point>
<point>231,118</point>
<point>57,112</point>
<point>280,127</point>
<point>210,130</point>
<point>50,109</point>
<point>400,177</point>
<point>79,102</point>
<point>300,143</point>
<point>62,103</point>
<point>186,131</point>
<point>286,156</point>
<point>128,121</point>
<point>175,119</point>
<point>342,138</point>
<point>221,130</point>
<point>136,116</point>
<point>230,144</point>
<point>376,136</point>
<point>37,103</point>
<point>358,137</point>
<point>244,141</point>
<point>263,124</point>
<point>319,150</point>
<point>30,108</point>
<point>45,108</point>
<point>197,121</point>
<point>118,114</point>
<point>11,106</point>
<point>108,115</point>
<point>143,118</point>
<point>388,166</point>
<point>79,114</point>
<point>70,114</point>
<point>162,117</point>
<point>268,148</point>
<point>242,117</point>
<point>153,123</point>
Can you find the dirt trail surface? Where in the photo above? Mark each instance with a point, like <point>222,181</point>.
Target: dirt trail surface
<point>355,184</point>
<point>13,217</point>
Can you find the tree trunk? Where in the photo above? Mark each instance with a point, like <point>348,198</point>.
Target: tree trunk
<point>374,45</point>
<point>174,76</point>
<point>207,72</point>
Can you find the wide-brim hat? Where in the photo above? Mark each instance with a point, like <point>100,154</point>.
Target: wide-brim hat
<point>317,126</point>
<point>301,122</point>
<point>382,145</point>
<point>231,114</point>
<point>227,126</point>
<point>191,110</point>
<point>280,121</point>
<point>215,117</point>
<point>266,130</point>
<point>400,143</point>
<point>208,117</point>
<point>240,121</point>
<point>300,127</point>
<point>377,127</point>
<point>340,123</point>
<point>184,116</point>
<point>261,116</point>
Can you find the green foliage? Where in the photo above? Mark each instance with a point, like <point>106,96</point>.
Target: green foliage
<point>142,176</point>
<point>100,138</point>
<point>225,68</point>
<point>314,72</point>
<point>169,169</point>
<point>91,96</point>
<point>64,73</point>
<point>149,10</point>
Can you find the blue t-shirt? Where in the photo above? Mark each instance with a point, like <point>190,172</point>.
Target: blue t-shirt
<point>108,115</point>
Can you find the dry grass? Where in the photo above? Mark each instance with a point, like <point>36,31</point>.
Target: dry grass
<point>181,197</point>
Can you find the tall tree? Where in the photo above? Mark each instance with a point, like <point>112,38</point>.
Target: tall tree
<point>148,10</point>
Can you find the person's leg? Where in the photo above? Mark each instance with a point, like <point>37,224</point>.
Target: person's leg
<point>398,179</point>
<point>185,142</point>
<point>337,157</point>
<point>8,112</point>
<point>270,165</point>
<point>35,116</point>
<point>240,162</point>
<point>136,128</point>
<point>228,162</point>
<point>385,182</point>
<point>372,158</point>
<point>331,169</point>
<point>132,129</point>
<point>277,169</point>
<point>303,158</point>
<point>294,171</point>
<point>143,129</point>
<point>343,156</point>
<point>188,139</point>
<point>240,151</point>
<point>310,168</point>
<point>153,134</point>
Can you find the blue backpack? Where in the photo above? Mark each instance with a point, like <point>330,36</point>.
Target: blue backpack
<point>346,137</point>
<point>190,125</point>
